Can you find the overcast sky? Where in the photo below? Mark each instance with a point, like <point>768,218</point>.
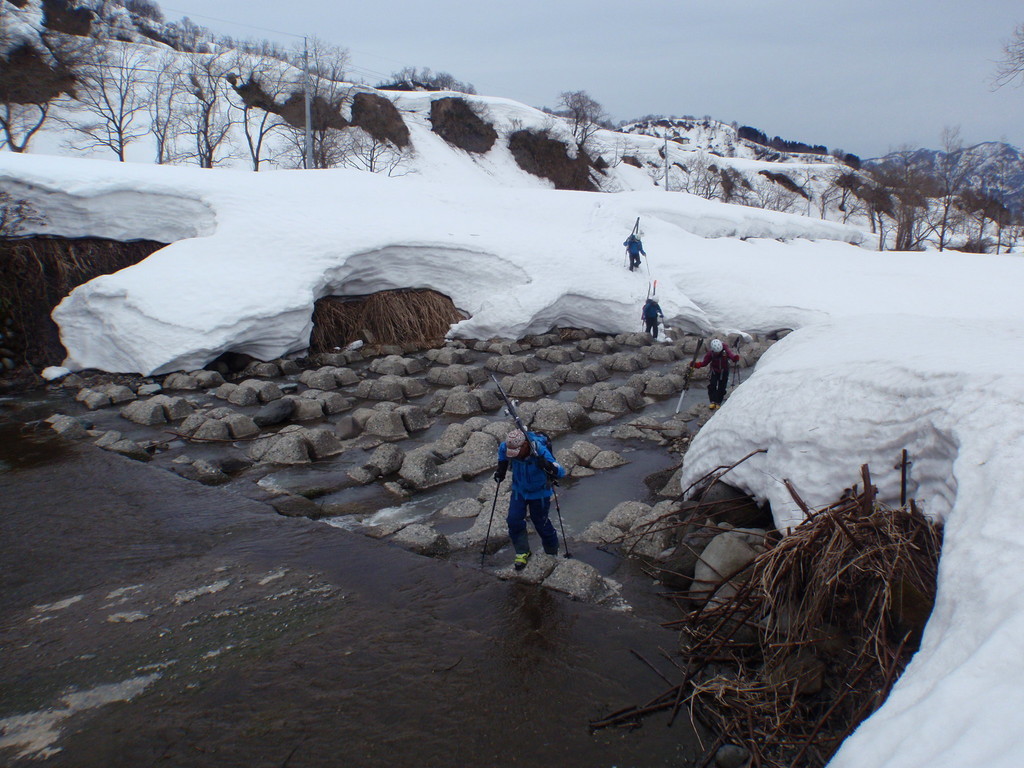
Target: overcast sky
<point>866,76</point>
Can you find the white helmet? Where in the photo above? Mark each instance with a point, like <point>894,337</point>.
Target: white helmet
<point>716,346</point>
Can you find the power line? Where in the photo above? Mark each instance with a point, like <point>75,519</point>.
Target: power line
<point>235,23</point>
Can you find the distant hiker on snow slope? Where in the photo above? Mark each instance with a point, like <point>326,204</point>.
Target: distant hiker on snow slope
<point>531,490</point>
<point>634,247</point>
<point>651,313</point>
<point>718,357</point>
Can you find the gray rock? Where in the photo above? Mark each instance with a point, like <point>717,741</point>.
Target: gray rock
<point>118,393</point>
<point>414,417</point>
<point>107,439</point>
<point>323,379</point>
<point>131,449</point>
<point>266,390</point>
<point>212,429</point>
<point>295,506</point>
<point>559,355</point>
<point>385,388</point>
<point>607,460</point>
<point>386,424</point>
<point>208,474</point>
<point>511,364</point>
<point>149,389</point>
<point>264,370</point>
<point>145,412</point>
<point>92,399</point>
<point>576,579</point>
<point>397,365</point>
<point>462,404</point>
<point>68,426</point>
<point>208,379</point>
<point>305,409</point>
<point>732,756</point>
<point>724,556</point>
<point>387,459</point>
<point>276,412</point>
<point>323,443</point>
<point>461,508</point>
<point>585,451</point>
<point>181,381</point>
<point>423,540</point>
<point>625,514</point>
<point>334,402</point>
<point>288,448</point>
<point>242,396</point>
<point>601,532</point>
<point>454,375</point>
<point>363,475</point>
<point>240,426</point>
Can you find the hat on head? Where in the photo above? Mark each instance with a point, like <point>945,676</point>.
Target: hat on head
<point>516,445</point>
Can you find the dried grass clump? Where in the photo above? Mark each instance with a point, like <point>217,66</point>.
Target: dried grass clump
<point>36,273</point>
<point>815,636</point>
<point>418,317</point>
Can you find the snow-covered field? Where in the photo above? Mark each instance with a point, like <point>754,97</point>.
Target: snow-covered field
<point>923,351</point>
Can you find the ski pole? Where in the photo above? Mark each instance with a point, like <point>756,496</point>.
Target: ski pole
<point>487,538</point>
<point>689,375</point>
<point>558,509</point>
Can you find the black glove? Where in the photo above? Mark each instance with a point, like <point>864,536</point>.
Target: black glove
<point>550,469</point>
<point>499,473</point>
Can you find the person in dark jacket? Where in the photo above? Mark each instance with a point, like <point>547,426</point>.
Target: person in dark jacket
<point>651,313</point>
<point>634,247</point>
<point>718,357</point>
<point>532,473</point>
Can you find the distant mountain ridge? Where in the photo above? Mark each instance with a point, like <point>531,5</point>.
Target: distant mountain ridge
<point>997,168</point>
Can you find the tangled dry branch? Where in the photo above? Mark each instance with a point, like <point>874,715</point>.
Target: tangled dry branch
<point>790,655</point>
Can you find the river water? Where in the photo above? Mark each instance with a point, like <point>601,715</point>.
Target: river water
<point>149,620</point>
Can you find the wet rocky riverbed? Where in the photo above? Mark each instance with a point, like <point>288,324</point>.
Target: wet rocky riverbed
<point>199,604</point>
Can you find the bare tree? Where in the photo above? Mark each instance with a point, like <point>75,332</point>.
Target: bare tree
<point>205,118</point>
<point>770,195</point>
<point>584,114</point>
<point>30,81</point>
<point>702,176</point>
<point>952,169</point>
<point>110,95</point>
<point>257,85</point>
<point>910,188</point>
<point>163,105</point>
<point>329,91</point>
<point>364,152</point>
<point>1011,67</point>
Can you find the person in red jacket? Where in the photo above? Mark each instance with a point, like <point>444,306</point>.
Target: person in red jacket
<point>718,357</point>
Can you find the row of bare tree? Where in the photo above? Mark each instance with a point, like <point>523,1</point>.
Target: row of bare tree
<point>202,108</point>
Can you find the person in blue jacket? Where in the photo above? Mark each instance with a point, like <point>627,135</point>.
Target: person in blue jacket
<point>532,473</point>
<point>634,247</point>
<point>651,313</point>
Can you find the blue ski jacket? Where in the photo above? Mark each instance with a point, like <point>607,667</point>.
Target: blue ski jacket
<point>529,481</point>
<point>634,246</point>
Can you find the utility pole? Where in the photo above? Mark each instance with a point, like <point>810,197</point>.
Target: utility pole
<point>666,162</point>
<point>308,154</point>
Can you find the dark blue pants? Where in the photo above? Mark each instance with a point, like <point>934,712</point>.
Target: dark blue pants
<point>716,387</point>
<point>538,509</point>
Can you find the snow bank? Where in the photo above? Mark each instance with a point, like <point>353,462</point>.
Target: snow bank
<point>260,249</point>
<point>838,394</point>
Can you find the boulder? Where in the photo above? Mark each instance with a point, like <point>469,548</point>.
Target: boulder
<point>387,459</point>
<point>423,540</point>
<point>68,426</point>
<point>577,579</point>
<point>266,390</point>
<point>275,412</point>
